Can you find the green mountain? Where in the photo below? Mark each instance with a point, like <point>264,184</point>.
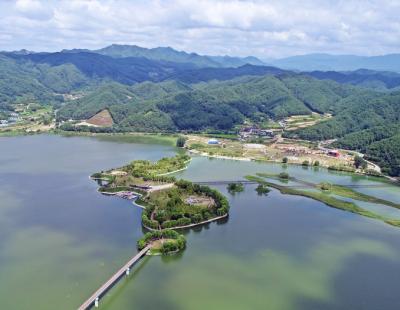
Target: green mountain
<point>172,55</point>
<point>218,105</point>
<point>157,95</point>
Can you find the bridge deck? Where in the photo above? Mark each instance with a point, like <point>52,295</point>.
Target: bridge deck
<point>114,279</point>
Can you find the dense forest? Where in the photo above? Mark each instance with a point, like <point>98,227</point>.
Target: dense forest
<point>220,105</point>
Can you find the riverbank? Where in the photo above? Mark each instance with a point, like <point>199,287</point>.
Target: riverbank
<point>178,170</point>
<point>219,156</point>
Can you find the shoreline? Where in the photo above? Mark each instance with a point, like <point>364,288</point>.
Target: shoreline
<point>189,225</point>
<point>220,156</point>
<point>175,171</point>
<point>392,180</point>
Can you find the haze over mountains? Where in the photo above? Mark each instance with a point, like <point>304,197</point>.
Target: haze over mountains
<point>327,62</point>
<point>166,90</point>
<point>308,62</point>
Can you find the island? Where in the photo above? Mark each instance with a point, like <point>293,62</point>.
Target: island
<point>168,204</point>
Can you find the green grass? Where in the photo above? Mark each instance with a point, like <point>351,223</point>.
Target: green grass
<point>114,189</point>
<point>328,200</point>
<point>142,168</point>
<point>336,190</point>
<point>350,193</point>
<point>221,136</point>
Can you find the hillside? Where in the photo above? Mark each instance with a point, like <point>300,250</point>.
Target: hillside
<point>214,105</point>
<point>367,123</point>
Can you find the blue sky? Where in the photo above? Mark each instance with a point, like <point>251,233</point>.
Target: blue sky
<point>267,29</point>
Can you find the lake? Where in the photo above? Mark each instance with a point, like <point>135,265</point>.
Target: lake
<point>60,239</point>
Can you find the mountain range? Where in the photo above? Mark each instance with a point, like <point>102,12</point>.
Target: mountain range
<point>165,90</point>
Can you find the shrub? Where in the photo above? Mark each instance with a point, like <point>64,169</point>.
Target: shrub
<point>262,189</point>
<point>373,172</point>
<point>285,160</point>
<point>184,221</point>
<point>283,175</point>
<point>325,186</point>
<point>178,241</point>
<point>196,218</point>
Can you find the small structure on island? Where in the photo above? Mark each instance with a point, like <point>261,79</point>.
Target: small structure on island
<point>334,153</point>
<point>213,141</point>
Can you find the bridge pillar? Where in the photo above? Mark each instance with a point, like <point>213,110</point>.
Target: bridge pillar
<point>127,271</point>
<point>96,302</point>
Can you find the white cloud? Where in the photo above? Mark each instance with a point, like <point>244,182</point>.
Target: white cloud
<point>33,9</point>
<point>262,28</point>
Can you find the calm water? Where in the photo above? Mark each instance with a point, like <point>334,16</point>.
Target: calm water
<point>60,239</point>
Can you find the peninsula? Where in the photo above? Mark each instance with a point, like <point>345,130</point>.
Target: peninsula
<point>169,204</point>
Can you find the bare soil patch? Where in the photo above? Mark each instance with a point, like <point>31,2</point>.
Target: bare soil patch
<point>101,119</point>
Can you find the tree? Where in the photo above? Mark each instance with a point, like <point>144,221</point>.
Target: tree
<point>305,163</point>
<point>235,188</point>
<point>283,175</point>
<point>285,160</point>
<point>325,186</point>
<point>316,163</point>
<point>360,162</point>
<point>181,141</point>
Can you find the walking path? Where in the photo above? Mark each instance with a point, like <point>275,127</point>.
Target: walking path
<point>94,299</point>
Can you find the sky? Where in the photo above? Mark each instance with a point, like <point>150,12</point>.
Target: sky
<point>266,29</point>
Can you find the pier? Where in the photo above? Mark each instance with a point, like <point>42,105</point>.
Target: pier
<point>125,270</point>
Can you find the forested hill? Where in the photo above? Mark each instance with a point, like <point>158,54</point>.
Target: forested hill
<point>64,72</point>
<point>173,105</point>
<point>369,123</point>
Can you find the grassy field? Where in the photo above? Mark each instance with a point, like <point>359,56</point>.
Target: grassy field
<point>350,193</point>
<point>302,121</point>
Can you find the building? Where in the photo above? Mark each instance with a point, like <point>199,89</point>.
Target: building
<point>251,132</point>
<point>334,153</point>
<point>213,141</point>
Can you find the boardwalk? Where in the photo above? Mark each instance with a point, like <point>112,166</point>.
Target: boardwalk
<point>113,280</point>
